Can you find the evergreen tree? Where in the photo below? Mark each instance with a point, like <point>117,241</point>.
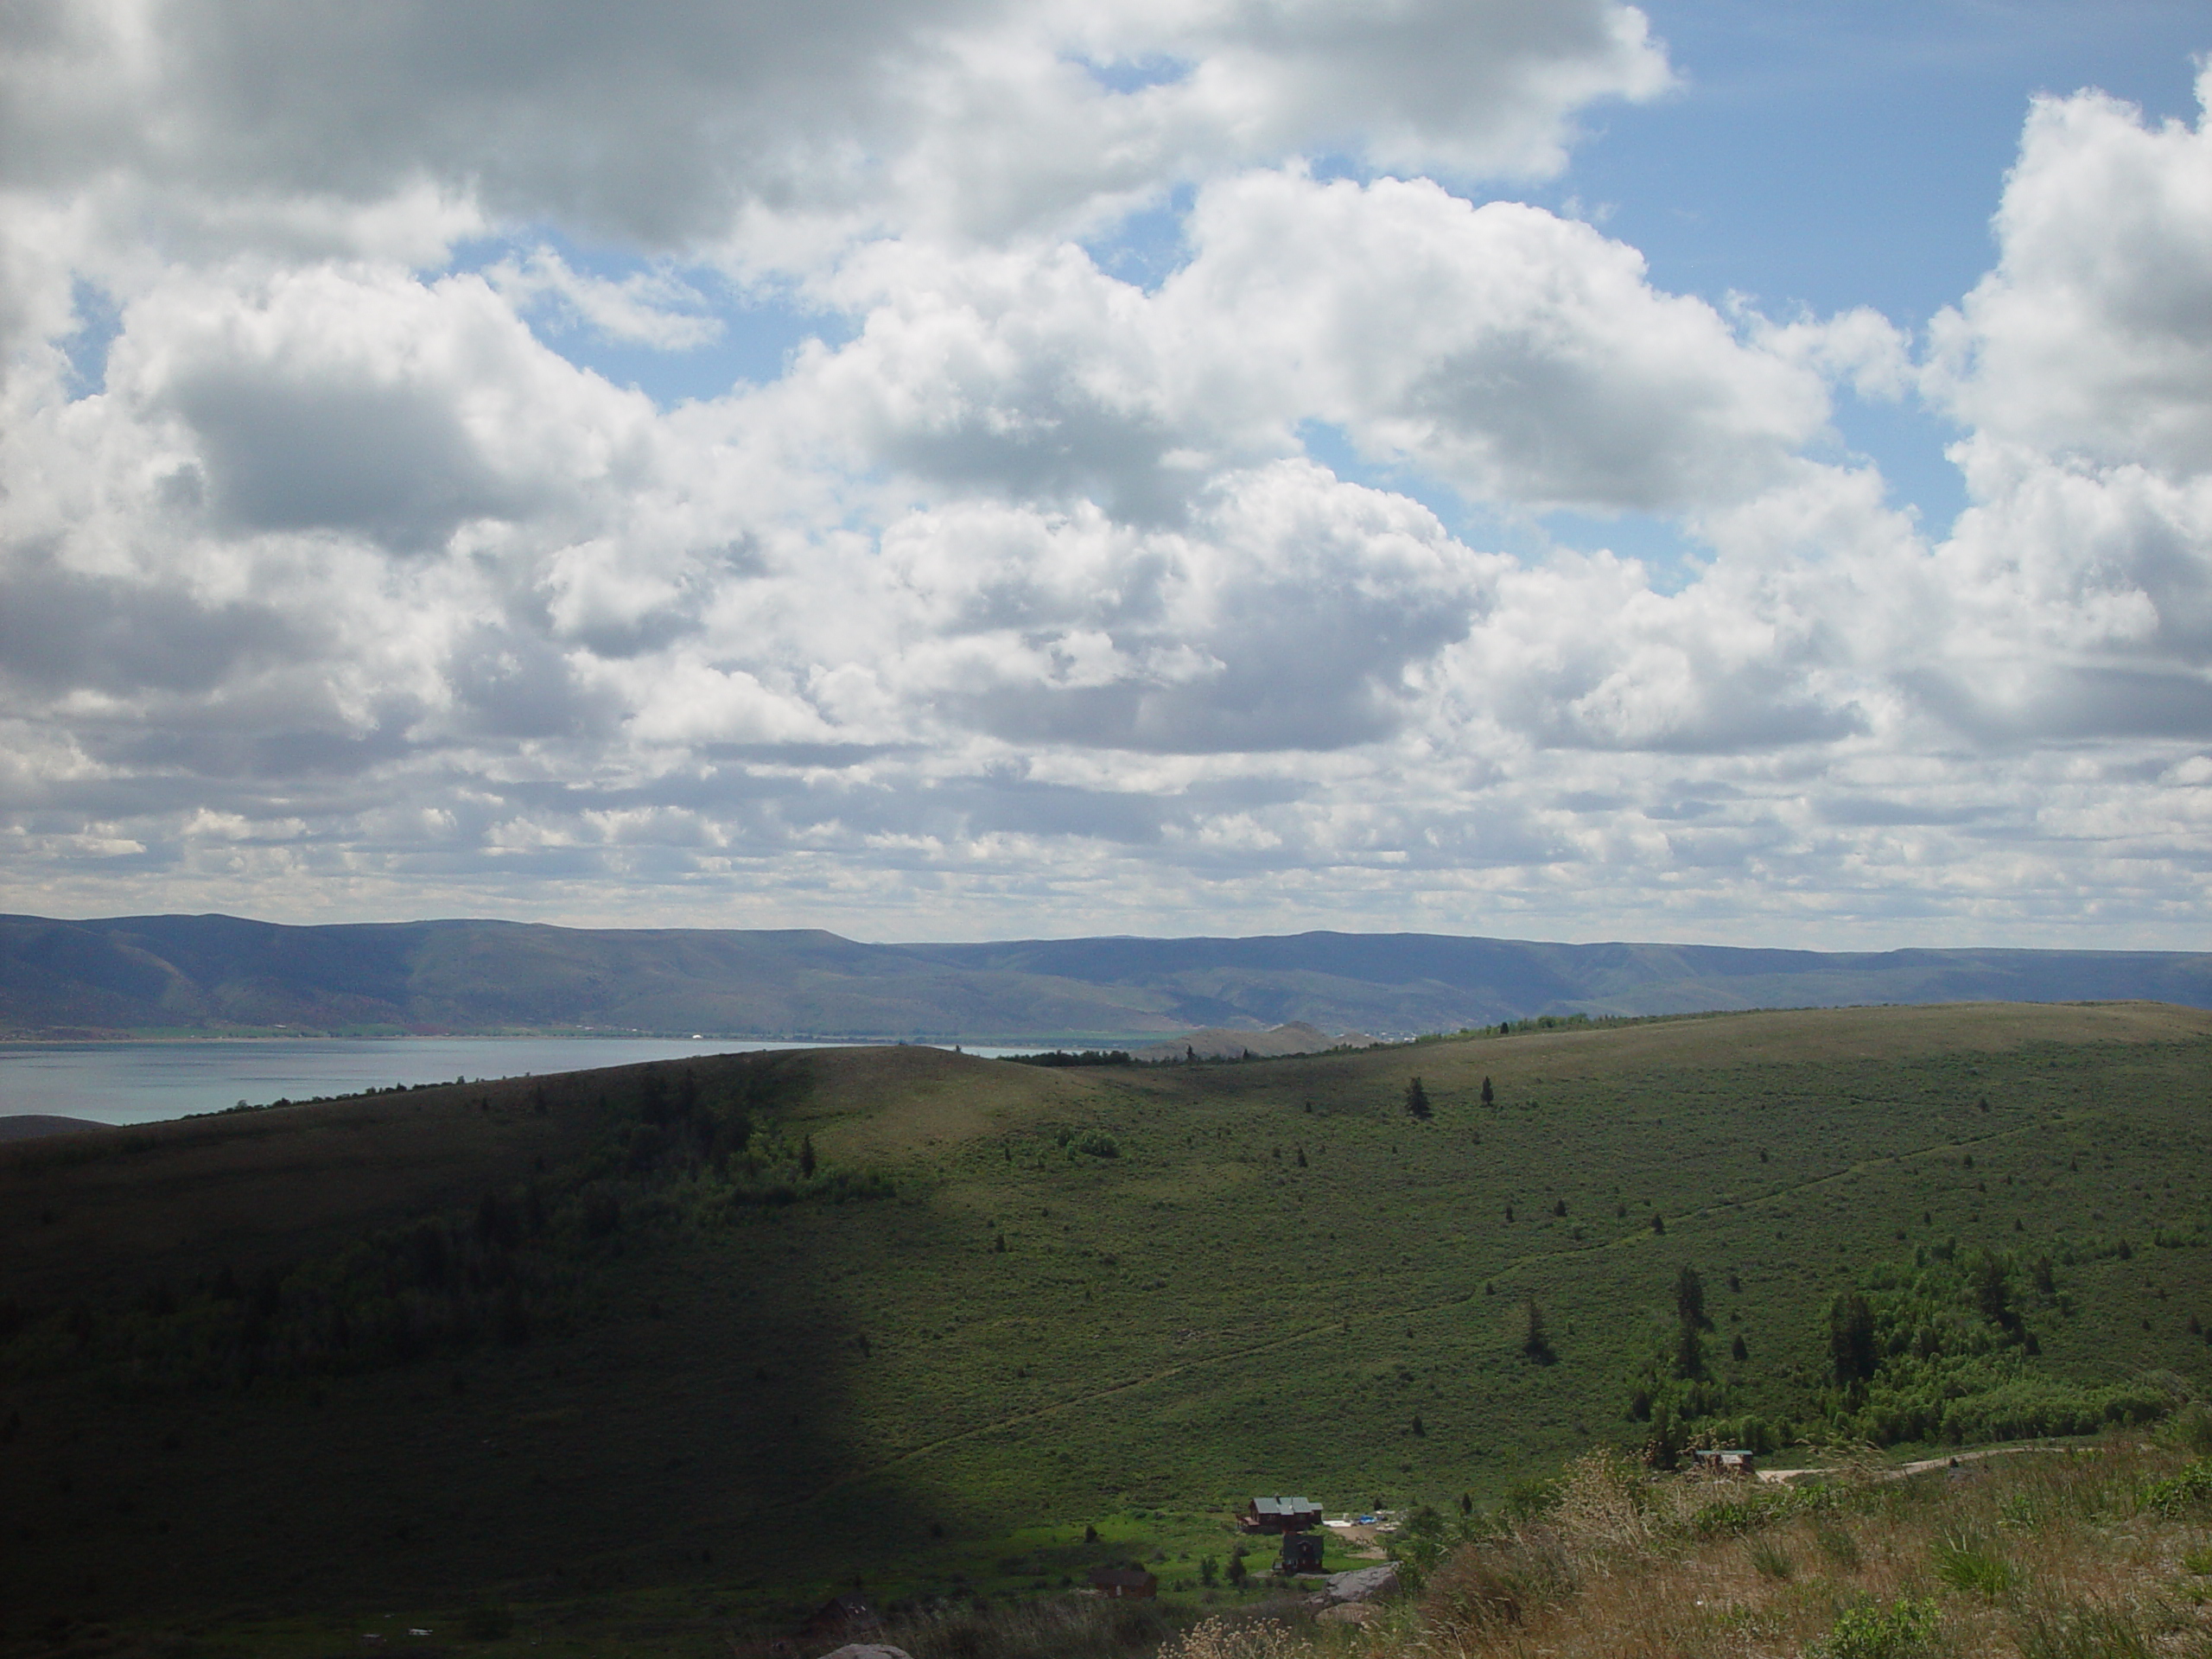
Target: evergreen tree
<point>1690,1319</point>
<point>1851,1339</point>
<point>1536,1343</point>
<point>1488,1099</point>
<point>1690,1354</point>
<point>1992,1289</point>
<point>1689,1299</point>
<point>806,1154</point>
<point>1417,1101</point>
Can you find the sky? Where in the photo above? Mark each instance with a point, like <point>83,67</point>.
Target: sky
<point>958,469</point>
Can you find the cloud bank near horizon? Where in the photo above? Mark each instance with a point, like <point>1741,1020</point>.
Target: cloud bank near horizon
<point>1092,562</point>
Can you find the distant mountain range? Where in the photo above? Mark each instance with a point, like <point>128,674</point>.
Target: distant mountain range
<point>218,974</point>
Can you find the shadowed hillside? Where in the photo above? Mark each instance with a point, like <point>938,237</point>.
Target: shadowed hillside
<point>220,974</point>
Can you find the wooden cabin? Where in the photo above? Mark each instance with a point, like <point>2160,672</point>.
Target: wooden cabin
<point>1735,1463</point>
<point>1282,1514</point>
<point>1301,1552</point>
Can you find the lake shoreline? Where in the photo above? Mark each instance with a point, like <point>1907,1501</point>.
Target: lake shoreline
<point>119,1081</point>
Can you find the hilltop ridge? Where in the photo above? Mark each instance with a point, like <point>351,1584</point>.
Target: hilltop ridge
<point>214,974</point>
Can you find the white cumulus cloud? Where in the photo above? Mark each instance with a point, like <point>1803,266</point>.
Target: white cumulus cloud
<point>1025,596</point>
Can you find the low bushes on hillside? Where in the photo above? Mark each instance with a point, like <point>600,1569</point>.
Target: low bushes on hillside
<point>1943,1350</point>
<point>501,1271</point>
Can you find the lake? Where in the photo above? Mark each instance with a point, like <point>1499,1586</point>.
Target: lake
<point>142,1082</point>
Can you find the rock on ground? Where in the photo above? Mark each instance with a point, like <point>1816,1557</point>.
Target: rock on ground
<point>1348,1612</point>
<point>1362,1584</point>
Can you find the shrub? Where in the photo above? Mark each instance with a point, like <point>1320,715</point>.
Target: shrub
<point>1901,1630</point>
<point>1769,1559</point>
<point>2178,1494</point>
<point>2190,1428</point>
<point>1736,1516</point>
<point>1966,1562</point>
<point>1419,1544</point>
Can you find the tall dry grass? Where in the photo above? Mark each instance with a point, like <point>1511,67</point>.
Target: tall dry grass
<point>2102,1551</point>
<point>1076,1627</point>
<point>2062,1554</point>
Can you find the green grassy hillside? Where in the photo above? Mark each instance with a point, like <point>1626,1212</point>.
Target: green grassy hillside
<point>684,1344</point>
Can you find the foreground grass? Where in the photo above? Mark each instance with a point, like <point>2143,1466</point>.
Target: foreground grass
<point>2091,1553</point>
<point>2099,1551</point>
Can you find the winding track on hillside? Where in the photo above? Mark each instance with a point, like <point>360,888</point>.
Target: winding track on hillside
<point>1341,1326</point>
